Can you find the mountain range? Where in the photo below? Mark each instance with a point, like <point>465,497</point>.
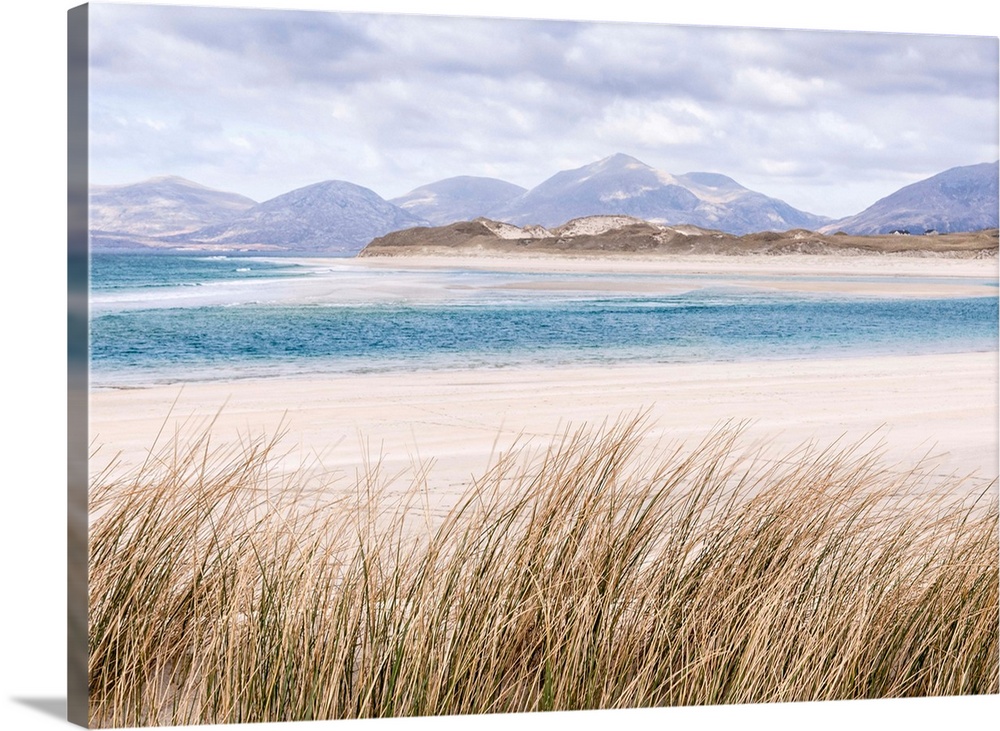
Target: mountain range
<point>340,217</point>
<point>623,185</point>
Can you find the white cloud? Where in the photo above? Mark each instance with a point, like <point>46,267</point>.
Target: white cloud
<point>770,85</point>
<point>834,128</point>
<point>626,123</point>
<point>259,102</point>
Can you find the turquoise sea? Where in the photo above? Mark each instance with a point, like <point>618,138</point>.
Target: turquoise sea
<point>167,319</point>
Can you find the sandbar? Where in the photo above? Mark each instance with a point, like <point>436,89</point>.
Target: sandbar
<point>878,276</point>
<point>763,264</point>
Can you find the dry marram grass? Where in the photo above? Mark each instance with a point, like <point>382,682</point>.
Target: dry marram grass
<point>588,576</point>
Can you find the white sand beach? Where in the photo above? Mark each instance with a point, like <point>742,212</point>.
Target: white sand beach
<point>943,407</point>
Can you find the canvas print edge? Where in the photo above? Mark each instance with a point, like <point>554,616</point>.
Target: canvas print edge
<point>77,382</point>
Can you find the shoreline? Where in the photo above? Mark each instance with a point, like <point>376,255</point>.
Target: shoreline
<point>777,264</point>
<point>941,406</point>
<point>895,276</point>
<point>220,377</point>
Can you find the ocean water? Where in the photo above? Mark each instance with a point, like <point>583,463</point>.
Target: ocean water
<point>166,319</point>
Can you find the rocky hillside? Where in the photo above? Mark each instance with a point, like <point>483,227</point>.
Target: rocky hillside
<point>626,236</point>
<point>458,199</point>
<point>165,206</point>
<point>329,217</point>
<point>623,185</point>
<point>959,199</point>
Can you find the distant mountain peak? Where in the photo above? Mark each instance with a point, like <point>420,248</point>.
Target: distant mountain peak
<point>325,217</point>
<point>621,184</point>
<point>617,163</point>
<point>175,179</point>
<point>959,199</point>
<point>620,159</point>
<point>162,206</point>
<point>325,188</point>
<point>460,198</point>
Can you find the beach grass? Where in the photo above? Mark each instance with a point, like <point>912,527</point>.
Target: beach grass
<point>591,572</point>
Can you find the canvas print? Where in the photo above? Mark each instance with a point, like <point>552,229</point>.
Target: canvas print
<point>447,365</point>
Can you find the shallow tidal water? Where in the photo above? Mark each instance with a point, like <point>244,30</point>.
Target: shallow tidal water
<point>165,319</point>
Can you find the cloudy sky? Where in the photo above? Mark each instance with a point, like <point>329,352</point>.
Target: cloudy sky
<point>261,102</point>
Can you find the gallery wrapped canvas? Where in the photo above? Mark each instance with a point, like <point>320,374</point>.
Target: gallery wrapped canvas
<point>426,366</point>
